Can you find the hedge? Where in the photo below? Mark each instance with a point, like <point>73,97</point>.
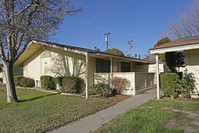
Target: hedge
<point>102,89</point>
<point>27,82</point>
<point>72,84</point>
<point>58,80</point>
<point>169,83</point>
<point>48,82</point>
<point>17,80</point>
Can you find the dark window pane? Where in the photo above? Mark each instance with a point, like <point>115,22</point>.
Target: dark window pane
<point>102,66</point>
<point>125,67</point>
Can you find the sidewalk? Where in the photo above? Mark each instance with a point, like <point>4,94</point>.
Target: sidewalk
<point>92,122</point>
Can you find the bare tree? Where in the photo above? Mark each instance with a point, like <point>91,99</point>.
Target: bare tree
<point>187,24</point>
<point>24,20</point>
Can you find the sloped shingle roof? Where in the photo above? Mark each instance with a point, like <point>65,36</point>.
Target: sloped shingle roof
<point>180,42</point>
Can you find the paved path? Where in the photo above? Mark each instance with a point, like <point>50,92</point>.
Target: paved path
<point>92,122</point>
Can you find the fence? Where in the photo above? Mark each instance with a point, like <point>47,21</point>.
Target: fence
<point>137,80</point>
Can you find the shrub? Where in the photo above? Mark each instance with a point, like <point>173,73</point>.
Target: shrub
<point>17,80</point>
<point>47,82</point>
<point>170,84</point>
<point>188,82</point>
<point>102,89</point>
<point>27,82</point>
<point>1,80</point>
<point>72,84</point>
<point>58,80</point>
<point>119,84</point>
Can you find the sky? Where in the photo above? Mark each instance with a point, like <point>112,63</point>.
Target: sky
<point>143,21</point>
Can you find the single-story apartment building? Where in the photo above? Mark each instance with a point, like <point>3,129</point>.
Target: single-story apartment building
<point>47,58</point>
<point>190,46</point>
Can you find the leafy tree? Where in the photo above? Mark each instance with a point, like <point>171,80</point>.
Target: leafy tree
<point>114,51</point>
<point>172,59</point>
<point>24,20</point>
<point>161,42</point>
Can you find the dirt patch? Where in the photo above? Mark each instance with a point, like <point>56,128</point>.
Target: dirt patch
<point>188,124</point>
<point>117,98</point>
<point>181,99</point>
<point>145,92</point>
<point>112,99</point>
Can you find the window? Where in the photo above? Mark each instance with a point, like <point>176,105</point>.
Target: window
<point>102,66</point>
<point>125,67</point>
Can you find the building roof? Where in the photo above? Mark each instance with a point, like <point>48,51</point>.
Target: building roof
<point>34,46</point>
<point>92,51</point>
<point>180,42</point>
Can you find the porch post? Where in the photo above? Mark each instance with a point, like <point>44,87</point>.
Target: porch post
<point>111,65</point>
<point>111,70</point>
<point>87,75</point>
<point>134,89</point>
<point>158,76</point>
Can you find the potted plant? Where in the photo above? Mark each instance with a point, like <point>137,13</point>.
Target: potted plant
<point>187,84</point>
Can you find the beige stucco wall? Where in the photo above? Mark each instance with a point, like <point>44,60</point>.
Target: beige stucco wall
<point>192,64</point>
<point>55,62</point>
<point>116,65</point>
<point>92,70</point>
<point>32,66</point>
<point>151,68</point>
<point>2,75</point>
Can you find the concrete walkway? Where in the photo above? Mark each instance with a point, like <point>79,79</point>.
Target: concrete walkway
<point>92,122</point>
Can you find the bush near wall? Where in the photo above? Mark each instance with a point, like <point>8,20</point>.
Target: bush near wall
<point>169,84</point>
<point>17,80</point>
<point>119,84</point>
<point>48,82</point>
<point>58,80</point>
<point>27,82</point>
<point>72,84</point>
<point>102,89</point>
<point>1,80</point>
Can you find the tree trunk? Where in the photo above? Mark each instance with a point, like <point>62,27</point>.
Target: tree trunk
<point>10,86</point>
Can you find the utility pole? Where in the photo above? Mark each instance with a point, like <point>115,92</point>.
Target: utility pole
<point>106,39</point>
<point>130,42</point>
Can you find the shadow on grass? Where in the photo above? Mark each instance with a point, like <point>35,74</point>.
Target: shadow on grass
<point>35,98</point>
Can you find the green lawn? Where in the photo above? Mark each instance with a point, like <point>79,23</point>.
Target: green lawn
<point>40,111</point>
<point>157,116</point>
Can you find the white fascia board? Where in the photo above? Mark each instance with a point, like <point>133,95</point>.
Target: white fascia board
<point>62,48</point>
<point>175,48</point>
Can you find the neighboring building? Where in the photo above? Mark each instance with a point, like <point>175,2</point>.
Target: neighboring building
<point>46,58</point>
<point>191,48</point>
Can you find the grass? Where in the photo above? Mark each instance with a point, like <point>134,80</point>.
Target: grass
<point>40,111</point>
<point>190,106</point>
<point>149,118</point>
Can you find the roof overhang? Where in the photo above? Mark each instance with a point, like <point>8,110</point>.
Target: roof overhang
<point>125,58</point>
<point>59,47</point>
<point>174,48</point>
<point>31,49</point>
<point>35,46</point>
